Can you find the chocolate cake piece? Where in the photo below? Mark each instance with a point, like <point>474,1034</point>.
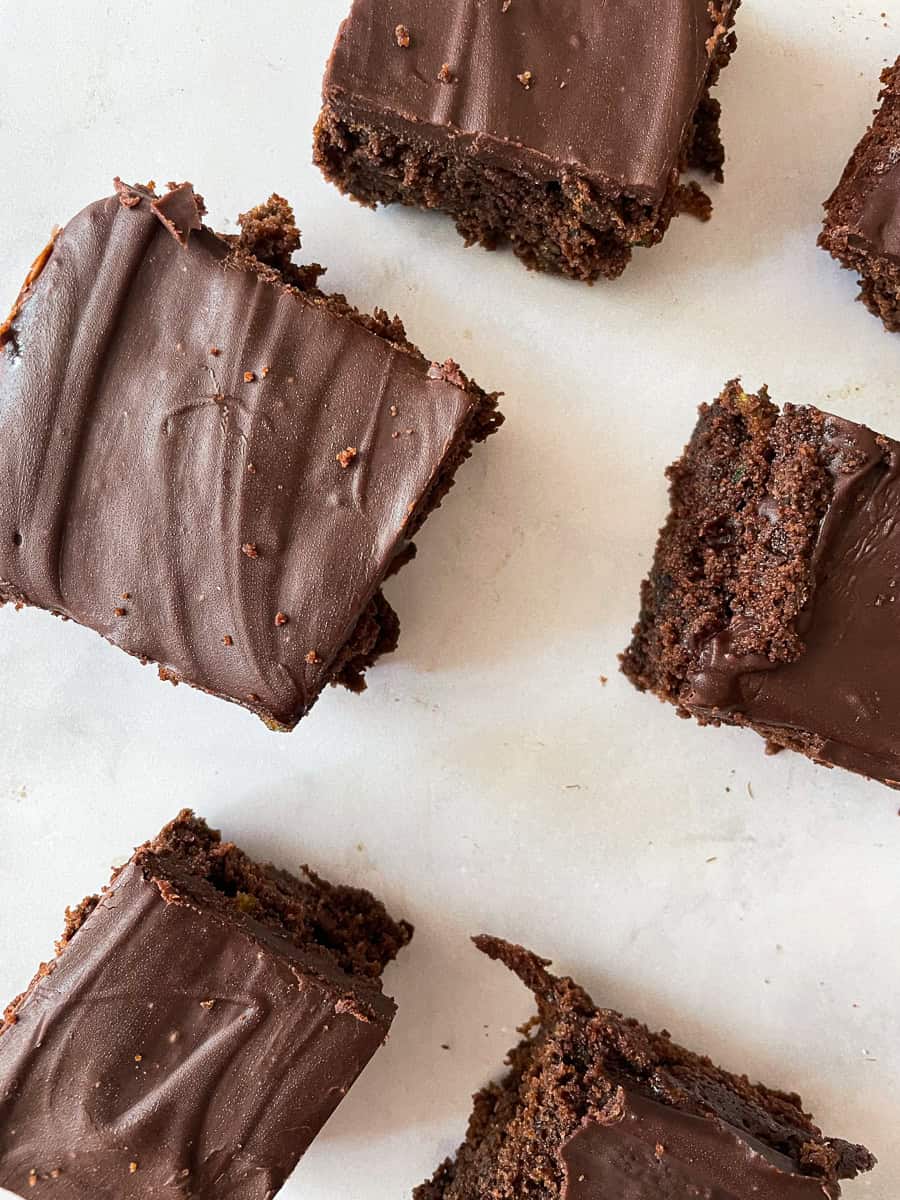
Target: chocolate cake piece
<point>596,1107</point>
<point>561,128</point>
<point>772,598</point>
<point>211,462</point>
<point>862,223</point>
<point>202,1019</point>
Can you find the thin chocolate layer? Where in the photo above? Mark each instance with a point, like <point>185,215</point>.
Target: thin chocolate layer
<point>600,88</point>
<point>844,688</point>
<point>656,1152</point>
<point>879,221</point>
<point>209,468</point>
<point>177,1051</point>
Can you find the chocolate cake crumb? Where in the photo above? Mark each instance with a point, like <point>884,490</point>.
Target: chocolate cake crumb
<point>120,612</point>
<point>249,548</point>
<point>281,619</point>
<point>249,377</point>
<point>346,457</point>
<point>445,75</point>
<point>227,640</point>
<point>525,78</point>
<point>401,33</point>
<point>312,658</point>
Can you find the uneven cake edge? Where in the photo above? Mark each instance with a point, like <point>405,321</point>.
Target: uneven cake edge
<point>720,555</point>
<point>636,1049</point>
<point>268,240</point>
<point>347,927</point>
<point>568,226</point>
<point>879,274</point>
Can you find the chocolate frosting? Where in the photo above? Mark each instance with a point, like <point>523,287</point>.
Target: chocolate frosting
<point>611,91</point>
<point>176,1051</point>
<point>656,1152</point>
<point>878,225</point>
<point>170,430</point>
<point>844,689</point>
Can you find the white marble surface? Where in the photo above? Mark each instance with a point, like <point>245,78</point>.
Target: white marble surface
<point>488,780</point>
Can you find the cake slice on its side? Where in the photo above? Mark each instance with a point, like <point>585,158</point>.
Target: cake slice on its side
<point>597,1107</point>
<point>211,462</point>
<point>563,132</point>
<point>203,1018</point>
<point>862,222</point>
<point>771,599</point>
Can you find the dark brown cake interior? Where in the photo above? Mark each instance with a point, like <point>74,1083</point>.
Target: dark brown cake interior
<point>578,1061</point>
<point>719,553</point>
<point>572,223</point>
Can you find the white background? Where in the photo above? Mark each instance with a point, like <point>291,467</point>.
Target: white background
<point>488,780</point>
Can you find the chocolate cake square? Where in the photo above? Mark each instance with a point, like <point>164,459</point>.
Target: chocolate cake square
<point>862,223</point>
<point>562,128</point>
<point>202,1019</point>
<point>596,1107</point>
<point>211,462</point>
<point>772,600</point>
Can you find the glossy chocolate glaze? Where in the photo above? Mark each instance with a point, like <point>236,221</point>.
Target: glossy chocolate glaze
<point>878,225</point>
<point>170,426</point>
<point>175,1050</point>
<point>607,89</point>
<point>844,689</point>
<point>657,1152</point>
